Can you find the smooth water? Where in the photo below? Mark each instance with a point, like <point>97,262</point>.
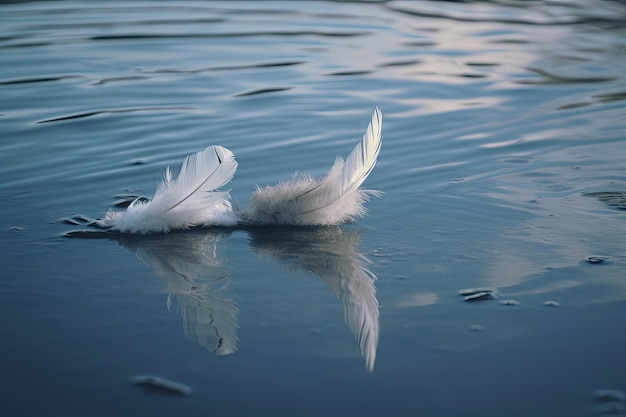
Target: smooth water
<point>503,166</point>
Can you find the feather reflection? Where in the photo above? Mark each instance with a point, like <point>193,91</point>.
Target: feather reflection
<point>332,254</point>
<point>190,265</point>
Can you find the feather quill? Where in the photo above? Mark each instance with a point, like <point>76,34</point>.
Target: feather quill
<point>192,199</point>
<point>334,199</point>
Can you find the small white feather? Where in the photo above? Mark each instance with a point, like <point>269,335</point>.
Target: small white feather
<point>192,199</point>
<point>334,199</point>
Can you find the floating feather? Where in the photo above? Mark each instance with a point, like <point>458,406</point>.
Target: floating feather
<point>192,199</point>
<point>334,199</point>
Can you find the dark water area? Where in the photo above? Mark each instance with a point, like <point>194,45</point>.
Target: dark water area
<point>502,166</point>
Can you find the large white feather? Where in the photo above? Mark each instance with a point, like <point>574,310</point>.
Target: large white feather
<point>192,199</point>
<point>336,198</point>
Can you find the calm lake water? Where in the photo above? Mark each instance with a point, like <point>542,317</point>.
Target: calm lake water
<point>503,167</point>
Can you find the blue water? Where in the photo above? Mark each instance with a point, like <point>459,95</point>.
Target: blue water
<point>502,167</point>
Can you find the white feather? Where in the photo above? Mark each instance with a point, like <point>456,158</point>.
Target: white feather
<point>192,199</point>
<point>334,199</point>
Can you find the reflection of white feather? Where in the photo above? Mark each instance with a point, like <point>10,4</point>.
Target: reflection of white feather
<point>360,308</point>
<point>332,254</point>
<point>190,266</point>
<point>189,200</point>
<point>334,199</point>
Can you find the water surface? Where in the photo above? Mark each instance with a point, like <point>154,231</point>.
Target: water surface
<point>502,167</point>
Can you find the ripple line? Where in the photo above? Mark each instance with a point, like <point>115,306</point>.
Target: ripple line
<point>262,91</point>
<point>96,112</point>
<point>38,79</point>
<point>224,68</point>
<point>226,35</point>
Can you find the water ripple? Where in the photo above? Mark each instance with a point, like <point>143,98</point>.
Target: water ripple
<point>542,13</point>
<point>262,91</point>
<point>286,33</point>
<point>39,79</point>
<point>552,78</point>
<point>107,111</point>
<point>259,65</point>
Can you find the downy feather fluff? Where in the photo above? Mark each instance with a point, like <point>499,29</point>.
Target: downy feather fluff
<point>334,199</point>
<point>192,199</point>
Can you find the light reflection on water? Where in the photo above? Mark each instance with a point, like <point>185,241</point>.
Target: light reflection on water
<point>500,119</point>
